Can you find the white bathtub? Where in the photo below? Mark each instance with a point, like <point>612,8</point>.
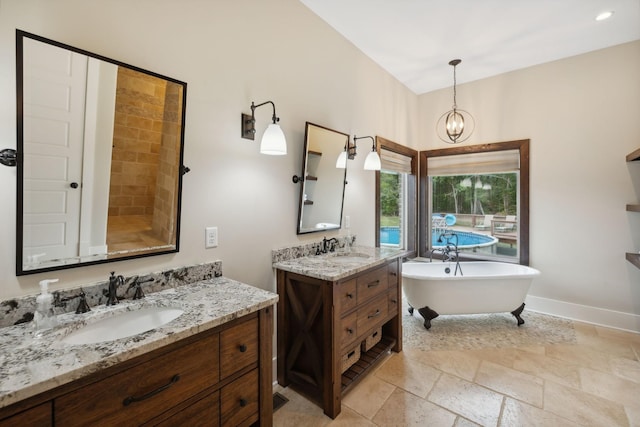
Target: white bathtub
<point>483,287</point>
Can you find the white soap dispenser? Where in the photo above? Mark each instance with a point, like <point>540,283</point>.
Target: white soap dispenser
<point>44,318</point>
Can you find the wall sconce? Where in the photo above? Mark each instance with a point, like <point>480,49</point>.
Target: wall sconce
<point>273,141</point>
<point>453,124</point>
<point>371,162</point>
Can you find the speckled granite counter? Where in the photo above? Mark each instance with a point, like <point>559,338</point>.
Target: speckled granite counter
<point>339,264</point>
<point>30,365</point>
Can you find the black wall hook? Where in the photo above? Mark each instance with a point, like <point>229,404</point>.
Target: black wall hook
<point>8,157</point>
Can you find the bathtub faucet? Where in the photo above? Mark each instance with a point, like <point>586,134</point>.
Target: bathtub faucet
<point>450,253</point>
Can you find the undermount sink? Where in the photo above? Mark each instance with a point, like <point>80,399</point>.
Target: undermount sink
<point>122,325</point>
<point>349,257</point>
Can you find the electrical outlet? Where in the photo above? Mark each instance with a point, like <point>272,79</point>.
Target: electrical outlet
<point>211,237</point>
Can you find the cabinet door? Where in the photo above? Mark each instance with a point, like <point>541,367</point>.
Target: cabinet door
<point>143,391</point>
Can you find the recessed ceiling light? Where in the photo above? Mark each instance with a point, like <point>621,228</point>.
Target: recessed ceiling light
<point>604,15</point>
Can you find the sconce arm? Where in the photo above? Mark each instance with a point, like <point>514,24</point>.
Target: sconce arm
<point>274,117</point>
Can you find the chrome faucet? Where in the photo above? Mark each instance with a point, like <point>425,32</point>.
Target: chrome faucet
<point>114,282</point>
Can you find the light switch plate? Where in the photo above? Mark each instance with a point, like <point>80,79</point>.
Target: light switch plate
<point>211,237</point>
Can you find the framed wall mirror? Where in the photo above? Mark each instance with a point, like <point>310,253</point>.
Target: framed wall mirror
<point>322,189</point>
<point>100,151</point>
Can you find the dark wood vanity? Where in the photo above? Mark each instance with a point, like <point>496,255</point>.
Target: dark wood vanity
<point>331,333</point>
<point>219,377</point>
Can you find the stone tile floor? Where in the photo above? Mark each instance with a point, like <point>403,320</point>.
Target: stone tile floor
<point>584,375</point>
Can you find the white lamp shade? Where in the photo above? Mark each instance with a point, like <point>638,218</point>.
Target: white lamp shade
<point>341,163</point>
<point>273,141</point>
<point>372,162</point>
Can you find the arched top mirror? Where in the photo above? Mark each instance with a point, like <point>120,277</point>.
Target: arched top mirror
<point>100,149</point>
<point>322,189</point>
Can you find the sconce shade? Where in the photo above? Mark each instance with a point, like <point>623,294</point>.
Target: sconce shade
<point>341,163</point>
<point>372,162</point>
<point>273,141</point>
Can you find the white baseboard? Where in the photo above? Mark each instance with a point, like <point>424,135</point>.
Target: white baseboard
<point>583,313</point>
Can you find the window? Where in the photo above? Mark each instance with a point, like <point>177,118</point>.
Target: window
<point>476,197</point>
<point>396,196</point>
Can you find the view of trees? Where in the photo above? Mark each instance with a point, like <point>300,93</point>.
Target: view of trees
<point>476,194</point>
<point>389,194</point>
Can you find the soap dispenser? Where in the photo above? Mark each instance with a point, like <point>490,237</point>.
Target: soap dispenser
<point>44,318</point>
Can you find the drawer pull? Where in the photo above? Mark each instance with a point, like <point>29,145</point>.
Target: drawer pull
<point>132,399</point>
<point>373,284</point>
<point>350,331</point>
<point>376,314</point>
<point>243,403</point>
<point>350,295</point>
<point>242,348</point>
<point>394,301</point>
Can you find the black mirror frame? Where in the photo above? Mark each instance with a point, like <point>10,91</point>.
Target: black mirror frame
<point>20,271</point>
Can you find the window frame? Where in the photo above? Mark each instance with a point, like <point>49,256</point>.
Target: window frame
<point>523,147</point>
<point>412,194</point>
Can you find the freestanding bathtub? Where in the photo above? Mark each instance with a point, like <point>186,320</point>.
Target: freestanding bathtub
<point>483,287</point>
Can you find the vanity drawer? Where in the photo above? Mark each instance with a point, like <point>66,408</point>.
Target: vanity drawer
<point>239,401</point>
<point>142,391</point>
<point>347,292</point>
<point>349,329</point>
<point>372,314</point>
<point>238,347</point>
<point>40,416</point>
<point>204,413</point>
<point>392,273</point>
<point>393,303</point>
<point>372,283</point>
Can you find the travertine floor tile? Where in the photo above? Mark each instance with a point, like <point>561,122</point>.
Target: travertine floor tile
<point>610,387</point>
<point>581,407</point>
<point>513,383</point>
<point>368,396</point>
<point>501,356</point>
<point>408,374</point>
<point>580,355</point>
<point>405,409</point>
<point>626,368</point>
<point>455,362</point>
<point>520,414</point>
<point>472,401</point>
<point>548,368</point>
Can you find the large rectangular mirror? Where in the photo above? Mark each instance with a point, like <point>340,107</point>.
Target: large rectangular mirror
<point>322,190</point>
<point>100,149</point>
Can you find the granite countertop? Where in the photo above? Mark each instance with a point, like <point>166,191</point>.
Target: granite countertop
<point>30,365</point>
<point>340,264</point>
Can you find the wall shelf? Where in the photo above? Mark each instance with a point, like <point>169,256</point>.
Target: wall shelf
<point>634,259</point>
<point>633,157</point>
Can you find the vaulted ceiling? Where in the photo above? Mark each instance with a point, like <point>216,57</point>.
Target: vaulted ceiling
<point>414,40</point>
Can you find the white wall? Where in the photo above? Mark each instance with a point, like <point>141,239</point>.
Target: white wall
<point>230,53</point>
<point>582,115</point>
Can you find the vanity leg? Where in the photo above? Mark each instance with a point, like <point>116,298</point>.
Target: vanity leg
<point>428,315</point>
<point>516,313</point>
